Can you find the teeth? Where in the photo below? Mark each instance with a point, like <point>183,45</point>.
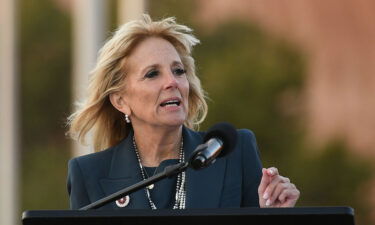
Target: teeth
<point>171,102</point>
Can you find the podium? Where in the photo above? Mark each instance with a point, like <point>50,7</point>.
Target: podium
<point>233,216</point>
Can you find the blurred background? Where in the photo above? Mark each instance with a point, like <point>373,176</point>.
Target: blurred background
<point>300,74</point>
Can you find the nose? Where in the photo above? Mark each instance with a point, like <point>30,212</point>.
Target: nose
<point>171,81</point>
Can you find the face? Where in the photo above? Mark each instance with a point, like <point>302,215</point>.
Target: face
<point>156,90</point>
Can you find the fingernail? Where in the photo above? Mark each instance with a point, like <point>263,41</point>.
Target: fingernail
<point>268,202</point>
<point>265,196</point>
<point>270,172</point>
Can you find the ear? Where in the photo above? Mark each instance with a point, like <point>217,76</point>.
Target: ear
<point>118,101</point>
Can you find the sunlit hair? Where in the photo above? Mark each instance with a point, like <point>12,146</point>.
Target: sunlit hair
<point>97,115</point>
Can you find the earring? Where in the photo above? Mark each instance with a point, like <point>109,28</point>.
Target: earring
<point>127,120</point>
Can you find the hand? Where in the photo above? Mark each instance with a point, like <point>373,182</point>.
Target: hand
<point>275,190</point>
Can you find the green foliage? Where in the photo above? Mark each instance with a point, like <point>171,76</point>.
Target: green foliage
<point>181,9</point>
<point>332,177</point>
<point>45,98</point>
<point>45,71</point>
<point>244,73</point>
<point>44,178</point>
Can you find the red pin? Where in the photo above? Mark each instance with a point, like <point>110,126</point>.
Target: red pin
<point>122,202</point>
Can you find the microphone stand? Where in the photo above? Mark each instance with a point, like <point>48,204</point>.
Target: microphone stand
<point>168,171</point>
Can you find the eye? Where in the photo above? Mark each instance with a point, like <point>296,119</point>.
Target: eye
<point>179,71</point>
<point>152,73</point>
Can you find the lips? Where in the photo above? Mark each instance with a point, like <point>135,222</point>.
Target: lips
<point>171,102</point>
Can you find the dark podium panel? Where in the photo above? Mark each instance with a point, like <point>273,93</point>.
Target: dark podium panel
<point>238,216</point>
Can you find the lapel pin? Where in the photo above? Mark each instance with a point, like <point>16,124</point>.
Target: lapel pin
<point>122,202</point>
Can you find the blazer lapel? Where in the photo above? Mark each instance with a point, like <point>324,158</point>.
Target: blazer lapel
<point>204,187</point>
<point>124,172</point>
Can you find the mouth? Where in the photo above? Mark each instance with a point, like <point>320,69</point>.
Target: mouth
<point>171,102</point>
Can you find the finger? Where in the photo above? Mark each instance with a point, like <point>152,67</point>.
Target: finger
<point>271,188</point>
<point>280,187</point>
<point>267,175</point>
<point>263,182</point>
<point>272,171</point>
<point>289,196</point>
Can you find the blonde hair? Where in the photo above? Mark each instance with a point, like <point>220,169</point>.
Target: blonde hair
<point>97,115</point>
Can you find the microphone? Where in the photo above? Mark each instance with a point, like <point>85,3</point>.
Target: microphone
<point>219,141</point>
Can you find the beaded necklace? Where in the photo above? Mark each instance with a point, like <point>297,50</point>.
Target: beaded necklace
<point>180,197</point>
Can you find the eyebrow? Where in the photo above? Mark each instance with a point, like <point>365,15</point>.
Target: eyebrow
<point>150,66</point>
<point>175,63</point>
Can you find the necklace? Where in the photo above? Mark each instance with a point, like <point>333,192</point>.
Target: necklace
<point>180,197</point>
<point>151,186</point>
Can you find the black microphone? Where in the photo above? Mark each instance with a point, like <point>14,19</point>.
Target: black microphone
<point>219,141</point>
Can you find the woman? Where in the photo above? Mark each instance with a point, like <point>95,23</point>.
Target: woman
<point>144,103</point>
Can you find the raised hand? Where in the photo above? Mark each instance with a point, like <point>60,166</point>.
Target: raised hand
<point>275,190</point>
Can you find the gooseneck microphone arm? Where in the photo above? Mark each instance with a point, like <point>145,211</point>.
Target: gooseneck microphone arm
<point>169,171</point>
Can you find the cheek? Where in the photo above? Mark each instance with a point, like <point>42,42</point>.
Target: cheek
<point>139,99</point>
<point>186,87</point>
<point>144,100</point>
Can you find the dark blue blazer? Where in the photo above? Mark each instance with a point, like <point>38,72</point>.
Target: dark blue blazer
<point>232,181</point>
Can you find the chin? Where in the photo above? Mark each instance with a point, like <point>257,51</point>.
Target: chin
<point>176,122</point>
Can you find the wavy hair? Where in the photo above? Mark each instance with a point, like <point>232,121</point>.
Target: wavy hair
<point>97,115</point>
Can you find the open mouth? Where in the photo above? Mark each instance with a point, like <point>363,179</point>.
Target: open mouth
<point>171,103</point>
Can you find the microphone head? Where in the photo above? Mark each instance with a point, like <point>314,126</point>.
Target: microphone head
<point>227,133</point>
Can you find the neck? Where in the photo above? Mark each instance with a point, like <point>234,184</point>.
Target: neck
<point>155,145</point>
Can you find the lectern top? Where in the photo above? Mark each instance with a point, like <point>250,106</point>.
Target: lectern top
<point>239,216</point>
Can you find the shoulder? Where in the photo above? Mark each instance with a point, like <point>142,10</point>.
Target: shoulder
<point>82,171</point>
<point>91,162</point>
<point>245,132</point>
<point>92,158</point>
<point>246,136</point>
<point>246,141</point>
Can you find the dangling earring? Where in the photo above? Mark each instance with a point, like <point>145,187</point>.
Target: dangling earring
<point>127,120</point>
